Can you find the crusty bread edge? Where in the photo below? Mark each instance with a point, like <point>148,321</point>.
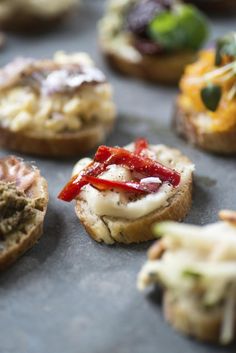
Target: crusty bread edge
<point>216,142</point>
<point>191,321</point>
<point>55,145</point>
<point>27,240</point>
<point>166,69</point>
<point>140,230</point>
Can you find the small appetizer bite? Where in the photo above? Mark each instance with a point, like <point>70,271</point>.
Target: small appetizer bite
<point>33,14</point>
<point>123,191</point>
<point>196,266</point>
<point>206,106</point>
<point>23,204</point>
<point>152,39</point>
<point>54,107</point>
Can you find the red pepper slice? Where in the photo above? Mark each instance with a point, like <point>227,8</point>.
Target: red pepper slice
<point>143,165</point>
<point>72,189</point>
<point>140,145</point>
<point>106,156</point>
<point>104,184</point>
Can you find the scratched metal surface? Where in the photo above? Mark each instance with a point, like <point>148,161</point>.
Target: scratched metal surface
<point>70,294</point>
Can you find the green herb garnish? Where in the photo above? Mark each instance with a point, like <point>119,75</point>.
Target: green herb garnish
<point>184,27</point>
<point>191,273</point>
<point>225,46</point>
<point>211,95</point>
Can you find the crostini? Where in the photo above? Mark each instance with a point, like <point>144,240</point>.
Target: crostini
<point>152,39</point>
<point>196,266</point>
<point>54,108</point>
<point>123,191</point>
<point>23,205</point>
<point>206,106</point>
<point>34,15</point>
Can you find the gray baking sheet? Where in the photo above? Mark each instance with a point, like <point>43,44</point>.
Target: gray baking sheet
<point>70,294</point>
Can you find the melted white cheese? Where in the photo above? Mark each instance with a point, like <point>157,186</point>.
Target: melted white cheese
<point>117,204</point>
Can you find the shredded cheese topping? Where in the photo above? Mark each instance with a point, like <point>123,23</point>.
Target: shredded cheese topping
<point>198,263</point>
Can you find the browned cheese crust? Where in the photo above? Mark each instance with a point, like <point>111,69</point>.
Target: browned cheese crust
<point>217,142</point>
<point>165,69</point>
<point>19,243</point>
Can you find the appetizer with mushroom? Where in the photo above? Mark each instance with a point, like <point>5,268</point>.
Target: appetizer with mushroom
<point>152,39</point>
<point>23,204</point>
<point>122,191</point>
<point>206,106</point>
<point>54,107</point>
<point>196,266</point>
<point>24,14</point>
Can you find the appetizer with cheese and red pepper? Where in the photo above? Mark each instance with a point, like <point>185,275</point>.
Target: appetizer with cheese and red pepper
<point>54,107</point>
<point>206,106</point>
<point>123,191</point>
<point>196,267</point>
<point>23,205</point>
<point>152,39</point>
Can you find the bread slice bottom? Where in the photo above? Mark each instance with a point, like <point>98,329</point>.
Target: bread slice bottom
<point>165,69</point>
<point>66,144</point>
<point>111,229</point>
<point>185,123</point>
<point>188,319</point>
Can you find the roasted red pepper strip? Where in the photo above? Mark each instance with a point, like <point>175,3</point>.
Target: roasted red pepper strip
<point>143,165</point>
<point>140,145</point>
<point>104,184</point>
<point>72,189</point>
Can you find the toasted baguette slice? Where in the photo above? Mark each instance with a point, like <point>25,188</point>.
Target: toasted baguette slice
<point>55,145</point>
<point>166,69</point>
<point>196,268</point>
<point>28,180</point>
<point>188,319</point>
<point>64,105</point>
<point>186,124</point>
<point>123,230</point>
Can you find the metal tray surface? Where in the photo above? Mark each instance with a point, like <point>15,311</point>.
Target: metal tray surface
<point>70,294</point>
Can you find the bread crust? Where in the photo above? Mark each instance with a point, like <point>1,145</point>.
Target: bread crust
<point>187,319</point>
<point>135,231</point>
<point>55,145</point>
<point>34,229</point>
<point>217,142</point>
<point>166,69</point>
<point>31,21</point>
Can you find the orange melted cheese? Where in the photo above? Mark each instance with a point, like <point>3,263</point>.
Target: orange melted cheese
<point>224,118</point>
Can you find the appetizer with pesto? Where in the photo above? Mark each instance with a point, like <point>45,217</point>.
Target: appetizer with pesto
<point>54,107</point>
<point>152,39</point>
<point>196,267</point>
<point>206,106</point>
<point>23,205</point>
<point>122,191</point>
<point>31,14</point>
